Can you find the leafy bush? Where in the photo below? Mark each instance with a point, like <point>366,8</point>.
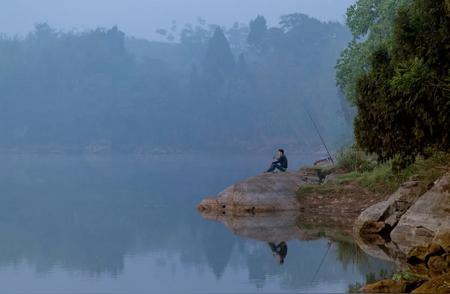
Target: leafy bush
<point>354,159</point>
<point>404,100</point>
<point>385,180</point>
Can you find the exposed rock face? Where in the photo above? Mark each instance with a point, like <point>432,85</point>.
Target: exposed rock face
<point>386,214</point>
<point>267,192</point>
<point>408,218</point>
<point>427,218</point>
<point>439,284</point>
<point>429,261</point>
<point>412,228</point>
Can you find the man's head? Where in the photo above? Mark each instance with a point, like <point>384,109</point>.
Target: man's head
<point>280,152</point>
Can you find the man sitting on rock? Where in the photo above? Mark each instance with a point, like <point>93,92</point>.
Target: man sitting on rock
<point>280,162</point>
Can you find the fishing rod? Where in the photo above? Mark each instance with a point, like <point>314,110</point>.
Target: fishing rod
<point>320,136</point>
<point>321,263</point>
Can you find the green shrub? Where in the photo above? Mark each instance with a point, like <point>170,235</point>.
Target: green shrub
<point>384,179</point>
<point>404,99</point>
<point>354,159</point>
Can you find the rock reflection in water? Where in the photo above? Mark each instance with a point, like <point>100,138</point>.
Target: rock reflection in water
<point>282,228</point>
<point>267,227</point>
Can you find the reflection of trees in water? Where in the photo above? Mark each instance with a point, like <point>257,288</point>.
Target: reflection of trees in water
<point>90,236</point>
<point>83,216</point>
<point>341,263</point>
<point>218,246</point>
<point>87,215</point>
<point>260,264</point>
<point>349,253</point>
<point>93,233</point>
<point>87,218</point>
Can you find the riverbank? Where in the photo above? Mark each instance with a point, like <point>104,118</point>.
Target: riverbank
<point>351,192</point>
<point>393,213</point>
<point>405,219</point>
<point>323,190</point>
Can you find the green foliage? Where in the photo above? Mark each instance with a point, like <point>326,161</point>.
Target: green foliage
<point>370,22</point>
<point>404,100</point>
<point>385,180</point>
<point>404,276</point>
<point>354,159</point>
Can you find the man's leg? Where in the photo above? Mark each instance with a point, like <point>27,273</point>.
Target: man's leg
<point>271,168</point>
<point>275,166</point>
<point>280,168</point>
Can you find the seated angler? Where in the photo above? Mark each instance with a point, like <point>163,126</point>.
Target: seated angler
<point>280,162</point>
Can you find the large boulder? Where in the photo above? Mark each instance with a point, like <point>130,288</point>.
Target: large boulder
<point>427,218</point>
<point>268,192</point>
<point>439,284</point>
<point>385,215</point>
<point>407,219</point>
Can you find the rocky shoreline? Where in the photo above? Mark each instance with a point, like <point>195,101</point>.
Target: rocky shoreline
<point>413,229</point>
<point>394,228</point>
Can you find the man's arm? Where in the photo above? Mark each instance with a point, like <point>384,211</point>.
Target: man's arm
<point>276,161</point>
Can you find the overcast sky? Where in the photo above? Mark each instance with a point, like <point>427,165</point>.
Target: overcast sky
<point>141,18</point>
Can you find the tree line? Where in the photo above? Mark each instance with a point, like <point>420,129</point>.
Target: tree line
<point>243,88</point>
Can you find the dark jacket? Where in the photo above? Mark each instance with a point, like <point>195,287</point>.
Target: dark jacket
<point>280,249</point>
<point>282,161</point>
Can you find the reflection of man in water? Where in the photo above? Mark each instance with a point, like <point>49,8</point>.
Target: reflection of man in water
<point>280,251</point>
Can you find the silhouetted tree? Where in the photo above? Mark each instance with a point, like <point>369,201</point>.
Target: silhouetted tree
<point>219,61</point>
<point>258,30</point>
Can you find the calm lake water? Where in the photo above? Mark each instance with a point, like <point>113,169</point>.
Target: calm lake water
<point>128,224</point>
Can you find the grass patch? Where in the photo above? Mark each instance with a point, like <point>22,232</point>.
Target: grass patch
<point>315,189</point>
<point>354,159</point>
<point>383,179</point>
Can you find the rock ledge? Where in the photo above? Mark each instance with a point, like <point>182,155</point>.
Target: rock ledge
<point>268,192</point>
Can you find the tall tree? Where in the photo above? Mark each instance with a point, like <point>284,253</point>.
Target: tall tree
<point>219,61</point>
<point>258,30</point>
<point>370,22</point>
<point>404,99</point>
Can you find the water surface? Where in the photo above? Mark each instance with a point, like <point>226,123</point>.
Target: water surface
<point>128,224</point>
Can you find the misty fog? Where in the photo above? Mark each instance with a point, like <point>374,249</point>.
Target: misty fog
<point>228,81</point>
<point>140,18</point>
